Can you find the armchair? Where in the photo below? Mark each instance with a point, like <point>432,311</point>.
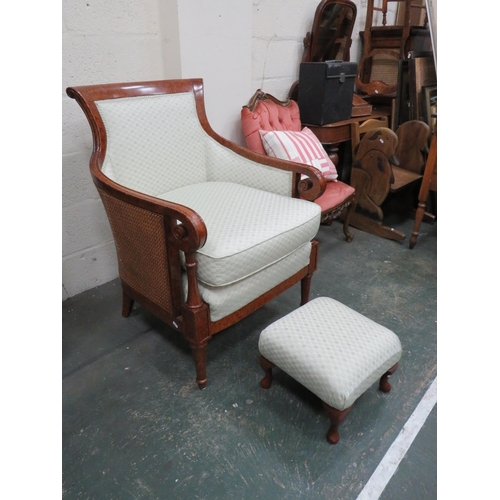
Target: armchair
<point>264,113</point>
<point>205,231</point>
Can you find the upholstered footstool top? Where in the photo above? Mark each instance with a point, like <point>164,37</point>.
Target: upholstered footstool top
<point>335,352</point>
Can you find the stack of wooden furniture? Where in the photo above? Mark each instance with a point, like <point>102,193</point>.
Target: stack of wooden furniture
<point>383,46</point>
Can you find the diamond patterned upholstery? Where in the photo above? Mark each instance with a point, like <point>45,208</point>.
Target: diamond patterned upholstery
<point>242,237</point>
<point>151,153</point>
<point>224,300</point>
<point>141,136</point>
<point>186,166</point>
<point>206,231</point>
<point>334,351</point>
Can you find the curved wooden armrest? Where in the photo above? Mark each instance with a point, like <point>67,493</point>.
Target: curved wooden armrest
<point>186,229</point>
<point>310,190</point>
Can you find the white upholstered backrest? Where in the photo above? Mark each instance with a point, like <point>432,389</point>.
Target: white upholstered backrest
<point>155,143</point>
<point>227,166</point>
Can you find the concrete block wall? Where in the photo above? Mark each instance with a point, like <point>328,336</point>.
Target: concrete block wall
<point>216,44</point>
<point>102,42</point>
<point>236,47</point>
<point>279,27</point>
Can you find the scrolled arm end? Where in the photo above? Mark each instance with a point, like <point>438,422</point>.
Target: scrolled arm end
<point>186,229</point>
<point>180,232</point>
<point>313,186</point>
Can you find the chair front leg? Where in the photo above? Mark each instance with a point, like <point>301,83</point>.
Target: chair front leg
<point>305,284</point>
<point>350,209</point>
<point>196,319</point>
<point>197,331</point>
<point>127,304</point>
<point>200,363</point>
<point>267,366</point>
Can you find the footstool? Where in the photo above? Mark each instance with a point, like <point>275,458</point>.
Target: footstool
<point>333,351</point>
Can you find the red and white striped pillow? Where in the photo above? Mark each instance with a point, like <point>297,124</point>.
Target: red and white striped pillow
<point>301,147</point>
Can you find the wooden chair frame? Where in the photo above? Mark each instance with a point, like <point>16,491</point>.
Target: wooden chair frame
<point>169,228</point>
<point>311,41</point>
<point>327,216</point>
<point>396,51</point>
<point>381,186</point>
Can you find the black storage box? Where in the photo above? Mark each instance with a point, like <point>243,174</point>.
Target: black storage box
<point>325,91</point>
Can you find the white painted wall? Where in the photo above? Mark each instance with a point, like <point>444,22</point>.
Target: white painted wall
<point>235,46</point>
<point>120,40</point>
<point>216,45</point>
<point>102,42</point>
<point>279,28</point>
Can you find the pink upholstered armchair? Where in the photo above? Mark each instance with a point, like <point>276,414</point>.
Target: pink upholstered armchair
<point>264,113</point>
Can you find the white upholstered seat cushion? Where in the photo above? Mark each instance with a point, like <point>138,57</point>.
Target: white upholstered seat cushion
<point>247,229</point>
<point>225,300</point>
<point>331,349</point>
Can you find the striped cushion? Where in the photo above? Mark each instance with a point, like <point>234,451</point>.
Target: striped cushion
<point>301,147</point>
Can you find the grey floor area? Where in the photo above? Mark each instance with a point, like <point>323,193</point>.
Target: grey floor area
<point>135,425</point>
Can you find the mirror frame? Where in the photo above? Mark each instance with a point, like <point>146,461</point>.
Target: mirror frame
<point>310,39</point>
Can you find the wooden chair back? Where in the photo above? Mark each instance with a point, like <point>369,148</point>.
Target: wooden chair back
<point>359,129</point>
<point>413,145</point>
<point>266,112</point>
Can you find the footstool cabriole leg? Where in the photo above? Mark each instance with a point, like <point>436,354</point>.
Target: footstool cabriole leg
<point>336,418</point>
<point>267,366</point>
<point>384,385</point>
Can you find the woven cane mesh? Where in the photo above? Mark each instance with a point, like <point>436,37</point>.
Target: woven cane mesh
<point>142,252</point>
<point>385,68</point>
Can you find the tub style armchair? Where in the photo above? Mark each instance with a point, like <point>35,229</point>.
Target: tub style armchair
<point>205,231</point>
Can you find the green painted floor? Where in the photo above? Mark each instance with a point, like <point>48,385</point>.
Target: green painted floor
<point>135,425</point>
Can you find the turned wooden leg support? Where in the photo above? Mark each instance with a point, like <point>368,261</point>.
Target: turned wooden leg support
<point>384,384</point>
<point>305,287</point>
<point>127,305</point>
<point>350,210</point>
<point>200,362</point>
<point>305,283</point>
<point>336,418</point>
<point>267,366</point>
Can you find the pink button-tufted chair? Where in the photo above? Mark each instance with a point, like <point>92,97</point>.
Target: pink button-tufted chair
<point>266,113</point>
<point>205,230</point>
